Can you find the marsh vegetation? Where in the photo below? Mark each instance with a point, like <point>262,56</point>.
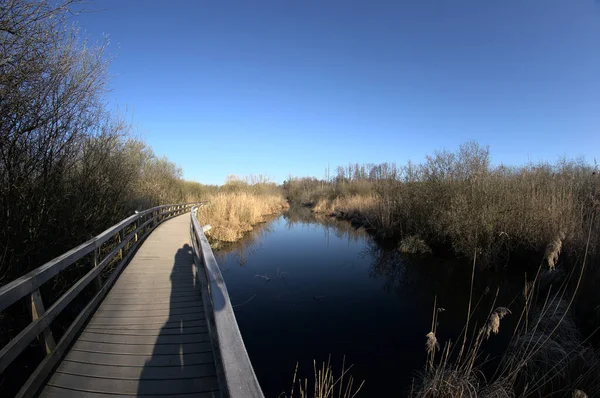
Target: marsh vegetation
<point>537,220</point>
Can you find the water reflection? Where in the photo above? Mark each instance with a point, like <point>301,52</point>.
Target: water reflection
<point>306,286</point>
<point>243,248</point>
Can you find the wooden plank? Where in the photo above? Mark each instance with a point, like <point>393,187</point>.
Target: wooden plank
<point>183,371</point>
<point>156,339</point>
<point>150,326</point>
<point>116,386</point>
<point>165,305</point>
<point>147,296</point>
<point>149,300</point>
<point>167,312</point>
<point>156,288</point>
<point>37,310</point>
<point>143,349</point>
<point>149,332</point>
<point>140,360</point>
<point>59,392</point>
<point>147,322</point>
<point>151,318</point>
<point>161,278</point>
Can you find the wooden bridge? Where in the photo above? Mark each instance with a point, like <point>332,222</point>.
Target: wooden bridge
<point>158,320</point>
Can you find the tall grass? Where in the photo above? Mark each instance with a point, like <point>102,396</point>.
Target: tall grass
<point>457,200</point>
<point>324,383</point>
<point>231,214</point>
<point>547,355</point>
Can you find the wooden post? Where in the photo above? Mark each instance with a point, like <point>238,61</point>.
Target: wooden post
<point>121,239</point>
<point>97,281</point>
<point>37,310</point>
<point>135,236</point>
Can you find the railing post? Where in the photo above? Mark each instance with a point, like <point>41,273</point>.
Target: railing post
<point>121,239</point>
<point>135,225</point>
<point>37,310</point>
<point>97,281</point>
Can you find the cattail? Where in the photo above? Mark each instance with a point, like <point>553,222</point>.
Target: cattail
<point>493,324</point>
<point>432,344</point>
<point>527,289</point>
<point>553,250</point>
<point>578,394</point>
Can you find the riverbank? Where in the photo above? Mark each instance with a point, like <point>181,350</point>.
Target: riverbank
<point>232,214</point>
<point>537,220</point>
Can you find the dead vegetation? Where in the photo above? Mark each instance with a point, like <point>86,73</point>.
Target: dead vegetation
<point>324,383</point>
<point>547,355</point>
<point>237,207</point>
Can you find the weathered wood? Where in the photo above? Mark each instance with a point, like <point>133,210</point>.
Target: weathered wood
<point>235,372</point>
<point>145,350</point>
<point>128,331</point>
<point>30,283</point>
<point>180,338</point>
<point>20,287</point>
<point>137,373</point>
<point>38,310</point>
<point>132,387</point>
<point>38,377</point>
<point>98,279</point>
<point>57,392</point>
<point>121,239</point>
<point>101,358</point>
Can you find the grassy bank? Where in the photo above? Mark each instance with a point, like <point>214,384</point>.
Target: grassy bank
<point>235,210</point>
<point>457,200</point>
<point>539,220</point>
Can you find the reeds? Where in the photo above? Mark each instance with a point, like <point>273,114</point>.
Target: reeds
<point>325,383</point>
<point>231,214</point>
<point>546,356</point>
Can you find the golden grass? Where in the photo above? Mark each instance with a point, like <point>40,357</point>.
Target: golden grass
<point>547,355</point>
<point>349,205</point>
<point>232,214</point>
<point>325,383</point>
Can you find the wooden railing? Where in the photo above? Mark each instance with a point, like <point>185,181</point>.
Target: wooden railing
<point>129,233</point>
<point>235,373</point>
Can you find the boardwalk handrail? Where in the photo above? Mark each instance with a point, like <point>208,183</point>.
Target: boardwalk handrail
<point>236,374</point>
<point>141,223</point>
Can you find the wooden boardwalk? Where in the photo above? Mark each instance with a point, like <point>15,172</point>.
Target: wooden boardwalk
<point>149,337</point>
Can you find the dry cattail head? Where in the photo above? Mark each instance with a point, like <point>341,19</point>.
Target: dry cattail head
<point>553,250</point>
<point>493,323</point>
<point>432,344</point>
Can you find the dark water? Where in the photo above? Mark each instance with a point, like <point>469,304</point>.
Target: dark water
<point>333,291</point>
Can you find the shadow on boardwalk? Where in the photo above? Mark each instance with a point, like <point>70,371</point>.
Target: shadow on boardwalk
<point>182,360</point>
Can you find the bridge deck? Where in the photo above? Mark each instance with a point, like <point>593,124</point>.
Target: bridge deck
<point>149,336</point>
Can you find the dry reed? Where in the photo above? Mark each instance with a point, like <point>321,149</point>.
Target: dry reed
<point>325,383</point>
<point>231,214</point>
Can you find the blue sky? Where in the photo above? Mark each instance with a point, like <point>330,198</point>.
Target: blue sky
<point>287,87</point>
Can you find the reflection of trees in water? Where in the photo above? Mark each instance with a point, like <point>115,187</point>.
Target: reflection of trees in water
<point>422,278</point>
<point>303,216</point>
<point>405,275</point>
<point>244,247</point>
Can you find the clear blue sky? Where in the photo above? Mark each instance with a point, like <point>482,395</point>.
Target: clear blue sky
<point>280,87</point>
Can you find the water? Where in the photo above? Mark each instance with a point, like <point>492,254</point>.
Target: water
<point>306,288</point>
